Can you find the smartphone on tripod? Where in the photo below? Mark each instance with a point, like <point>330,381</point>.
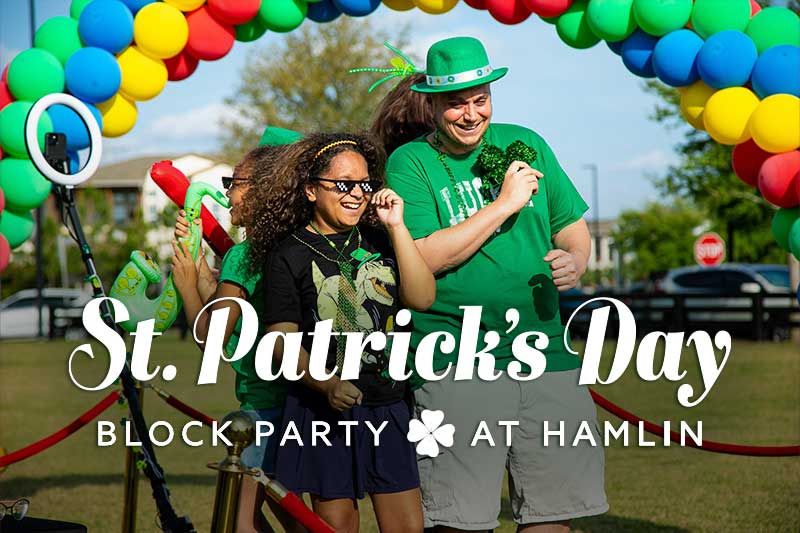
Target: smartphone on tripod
<point>55,151</point>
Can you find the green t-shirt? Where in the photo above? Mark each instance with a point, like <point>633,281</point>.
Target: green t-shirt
<point>251,391</point>
<point>509,270</point>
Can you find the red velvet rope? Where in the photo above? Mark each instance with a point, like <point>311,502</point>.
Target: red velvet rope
<point>62,433</point>
<point>189,411</point>
<point>708,445</point>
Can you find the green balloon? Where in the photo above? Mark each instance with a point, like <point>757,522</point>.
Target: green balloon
<point>282,15</point>
<point>76,8</point>
<point>59,36</point>
<point>773,26</point>
<point>12,129</point>
<point>250,30</point>
<point>659,17</point>
<point>782,223</point>
<point>550,20</point>
<point>35,73</point>
<point>23,186</point>
<point>573,27</point>
<point>794,240</point>
<point>713,16</point>
<point>16,227</point>
<point>611,20</point>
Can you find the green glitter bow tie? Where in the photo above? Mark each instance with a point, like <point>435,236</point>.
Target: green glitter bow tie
<point>494,162</point>
<point>401,67</point>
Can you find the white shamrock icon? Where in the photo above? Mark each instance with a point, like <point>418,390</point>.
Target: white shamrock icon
<point>430,432</point>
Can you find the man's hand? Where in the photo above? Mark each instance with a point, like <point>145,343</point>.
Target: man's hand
<point>567,268</point>
<point>520,182</point>
<point>342,395</point>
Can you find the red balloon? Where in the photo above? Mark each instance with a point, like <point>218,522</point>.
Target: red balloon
<point>754,8</point>
<point>747,160</point>
<point>234,11</point>
<point>508,11</point>
<point>777,179</point>
<point>181,66</point>
<point>209,39</point>
<point>548,8</point>
<point>476,4</point>
<point>5,253</point>
<point>174,183</point>
<point>5,95</point>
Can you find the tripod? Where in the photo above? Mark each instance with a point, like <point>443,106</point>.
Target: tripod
<point>170,521</point>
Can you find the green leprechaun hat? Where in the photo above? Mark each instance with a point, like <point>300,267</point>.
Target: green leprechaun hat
<point>457,63</point>
<point>274,136</point>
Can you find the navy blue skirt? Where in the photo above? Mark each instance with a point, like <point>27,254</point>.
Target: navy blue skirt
<point>342,471</point>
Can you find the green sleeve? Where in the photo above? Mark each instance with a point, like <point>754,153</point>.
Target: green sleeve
<point>406,176</point>
<point>563,200</point>
<point>235,269</point>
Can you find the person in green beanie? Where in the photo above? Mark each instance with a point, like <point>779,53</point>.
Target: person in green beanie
<point>500,233</point>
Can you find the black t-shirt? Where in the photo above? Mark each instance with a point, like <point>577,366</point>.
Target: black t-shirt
<point>301,285</point>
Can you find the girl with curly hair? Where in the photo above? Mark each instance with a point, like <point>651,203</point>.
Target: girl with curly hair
<point>261,399</point>
<point>336,248</point>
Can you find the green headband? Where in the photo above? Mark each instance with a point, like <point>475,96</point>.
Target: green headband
<point>401,67</point>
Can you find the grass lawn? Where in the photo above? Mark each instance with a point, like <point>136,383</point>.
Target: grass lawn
<point>659,489</point>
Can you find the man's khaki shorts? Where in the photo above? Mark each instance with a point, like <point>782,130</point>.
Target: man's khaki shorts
<point>461,486</point>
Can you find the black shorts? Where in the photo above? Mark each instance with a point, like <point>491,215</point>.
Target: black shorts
<point>342,471</point>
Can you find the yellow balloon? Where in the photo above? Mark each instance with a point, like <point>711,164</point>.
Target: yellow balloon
<point>119,115</point>
<point>399,5</point>
<point>693,102</point>
<point>775,123</point>
<point>435,7</point>
<point>727,115</point>
<point>143,77</point>
<point>160,30</point>
<point>186,5</point>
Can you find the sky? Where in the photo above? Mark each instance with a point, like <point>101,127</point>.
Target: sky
<point>585,103</point>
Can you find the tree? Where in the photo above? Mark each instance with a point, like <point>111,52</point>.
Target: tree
<point>302,83</point>
<point>659,237</point>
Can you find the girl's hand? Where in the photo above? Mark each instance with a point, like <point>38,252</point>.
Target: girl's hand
<point>181,226</point>
<point>206,281</point>
<point>389,207</point>
<point>342,395</point>
<point>184,268</point>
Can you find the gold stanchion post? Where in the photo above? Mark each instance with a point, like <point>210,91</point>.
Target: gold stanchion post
<point>241,433</point>
<point>131,481</point>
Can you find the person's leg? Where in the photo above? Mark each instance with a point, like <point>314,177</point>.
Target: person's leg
<point>251,497</point>
<point>461,486</point>
<point>398,512</point>
<point>551,483</point>
<point>341,513</point>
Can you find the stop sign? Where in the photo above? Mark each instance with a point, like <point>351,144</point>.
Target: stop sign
<point>709,249</point>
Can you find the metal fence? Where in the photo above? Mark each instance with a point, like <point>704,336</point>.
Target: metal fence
<point>754,316</point>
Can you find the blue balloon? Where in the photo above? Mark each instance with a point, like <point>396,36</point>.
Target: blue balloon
<point>324,11</point>
<point>637,54</point>
<point>615,46</point>
<point>727,59</point>
<point>106,24</point>
<point>675,58</point>
<point>136,5</point>
<point>92,75</point>
<point>356,8</point>
<point>68,122</point>
<point>777,71</point>
<point>74,162</point>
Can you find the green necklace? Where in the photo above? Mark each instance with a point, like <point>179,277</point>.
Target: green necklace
<point>442,157</point>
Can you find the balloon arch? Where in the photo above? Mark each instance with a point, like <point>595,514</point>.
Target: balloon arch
<point>737,68</point>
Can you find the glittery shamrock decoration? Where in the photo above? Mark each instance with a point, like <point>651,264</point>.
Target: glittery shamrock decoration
<point>494,162</point>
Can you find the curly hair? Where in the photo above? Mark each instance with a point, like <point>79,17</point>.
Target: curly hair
<point>257,165</point>
<point>403,115</point>
<point>282,207</point>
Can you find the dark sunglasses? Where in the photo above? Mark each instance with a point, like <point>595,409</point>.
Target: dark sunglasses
<point>228,181</point>
<point>345,186</point>
<point>17,510</point>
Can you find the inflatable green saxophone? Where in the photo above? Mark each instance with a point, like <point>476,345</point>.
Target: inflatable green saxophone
<point>142,270</point>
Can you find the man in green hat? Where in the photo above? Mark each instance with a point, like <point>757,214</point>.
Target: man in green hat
<point>508,245</point>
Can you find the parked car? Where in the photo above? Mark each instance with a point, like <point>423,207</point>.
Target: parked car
<point>19,316</point>
<point>732,286</point>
